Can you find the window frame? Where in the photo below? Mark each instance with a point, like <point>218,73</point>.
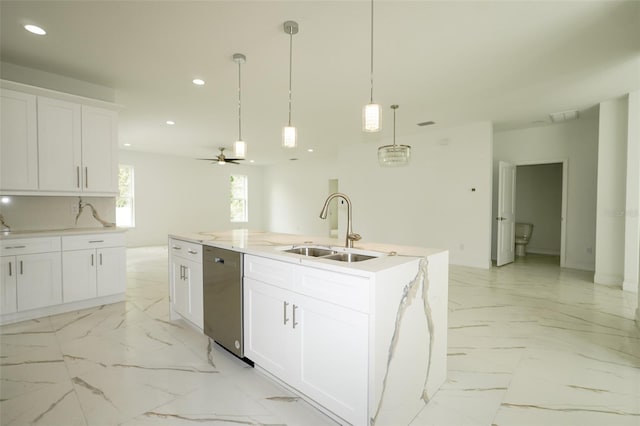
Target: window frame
<point>243,199</point>
<point>130,197</point>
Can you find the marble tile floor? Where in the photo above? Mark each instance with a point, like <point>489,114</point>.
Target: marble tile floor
<point>529,344</point>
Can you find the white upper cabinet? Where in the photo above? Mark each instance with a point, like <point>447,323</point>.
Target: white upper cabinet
<point>99,149</point>
<point>59,145</point>
<point>54,143</point>
<point>19,141</point>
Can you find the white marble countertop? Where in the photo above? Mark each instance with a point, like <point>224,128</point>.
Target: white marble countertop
<point>58,232</point>
<point>271,245</point>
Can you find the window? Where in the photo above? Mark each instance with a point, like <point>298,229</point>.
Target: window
<point>124,204</point>
<point>239,198</point>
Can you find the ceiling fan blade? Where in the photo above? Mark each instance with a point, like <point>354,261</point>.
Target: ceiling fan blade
<point>207,159</point>
<point>233,159</point>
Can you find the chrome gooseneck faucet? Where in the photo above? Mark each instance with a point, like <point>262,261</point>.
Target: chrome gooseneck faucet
<point>351,236</point>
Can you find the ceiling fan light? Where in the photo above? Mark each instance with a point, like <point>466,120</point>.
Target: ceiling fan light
<point>371,118</point>
<point>394,155</point>
<point>289,137</point>
<point>239,149</point>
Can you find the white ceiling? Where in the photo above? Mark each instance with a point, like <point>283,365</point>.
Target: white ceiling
<point>510,62</point>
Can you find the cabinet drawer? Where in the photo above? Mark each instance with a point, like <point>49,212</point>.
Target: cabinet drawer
<point>21,246</point>
<point>269,271</point>
<point>185,249</point>
<point>341,289</point>
<point>81,242</point>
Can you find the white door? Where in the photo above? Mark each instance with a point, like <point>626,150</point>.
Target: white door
<point>79,271</point>
<point>59,145</point>
<point>18,141</point>
<point>268,327</point>
<point>8,301</point>
<point>111,274</point>
<point>39,280</point>
<point>506,213</point>
<point>99,150</point>
<point>333,345</point>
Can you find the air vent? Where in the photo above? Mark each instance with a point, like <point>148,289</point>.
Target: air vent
<point>426,123</point>
<point>558,117</point>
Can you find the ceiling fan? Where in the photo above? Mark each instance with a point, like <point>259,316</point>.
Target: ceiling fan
<point>222,160</point>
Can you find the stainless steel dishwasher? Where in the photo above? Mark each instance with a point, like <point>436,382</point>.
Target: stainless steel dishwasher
<point>222,292</point>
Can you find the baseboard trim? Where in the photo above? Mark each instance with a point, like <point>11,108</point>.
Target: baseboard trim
<point>631,286</point>
<point>549,252</point>
<point>612,280</point>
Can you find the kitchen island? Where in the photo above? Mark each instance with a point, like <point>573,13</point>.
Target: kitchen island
<point>365,341</point>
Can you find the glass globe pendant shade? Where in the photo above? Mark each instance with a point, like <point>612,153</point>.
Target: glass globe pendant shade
<point>371,118</point>
<point>394,155</point>
<point>239,149</point>
<point>289,137</point>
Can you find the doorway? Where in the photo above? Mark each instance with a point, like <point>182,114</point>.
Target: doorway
<point>538,200</point>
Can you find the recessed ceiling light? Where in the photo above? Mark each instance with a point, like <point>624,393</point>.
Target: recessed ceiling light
<point>5,200</point>
<point>252,161</point>
<point>171,122</point>
<point>198,82</point>
<point>127,144</point>
<point>35,29</point>
<point>310,150</point>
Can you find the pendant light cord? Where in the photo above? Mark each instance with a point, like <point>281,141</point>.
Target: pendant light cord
<point>290,68</point>
<point>239,102</point>
<point>371,73</point>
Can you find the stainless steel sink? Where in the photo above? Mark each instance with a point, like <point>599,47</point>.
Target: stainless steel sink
<point>311,251</point>
<point>349,257</point>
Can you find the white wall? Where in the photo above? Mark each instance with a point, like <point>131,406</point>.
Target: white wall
<point>612,166</point>
<point>34,213</point>
<point>430,203</point>
<point>294,195</point>
<point>632,203</point>
<point>576,141</point>
<point>176,194</point>
<point>539,201</point>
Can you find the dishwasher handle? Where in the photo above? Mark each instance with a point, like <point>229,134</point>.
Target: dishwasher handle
<point>219,260</point>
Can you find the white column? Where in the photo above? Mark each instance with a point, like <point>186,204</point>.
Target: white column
<point>632,221</point>
<point>610,214</point>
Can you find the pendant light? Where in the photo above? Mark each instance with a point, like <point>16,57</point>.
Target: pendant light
<point>371,113</point>
<point>394,155</point>
<point>289,133</point>
<point>239,147</point>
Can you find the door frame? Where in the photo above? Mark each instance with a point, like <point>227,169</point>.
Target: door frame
<point>506,207</point>
<point>565,185</point>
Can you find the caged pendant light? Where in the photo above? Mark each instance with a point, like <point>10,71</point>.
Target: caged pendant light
<point>394,155</point>
<point>239,147</point>
<point>371,113</point>
<point>289,133</point>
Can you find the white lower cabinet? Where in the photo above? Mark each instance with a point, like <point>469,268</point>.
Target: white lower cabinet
<point>317,347</point>
<point>93,266</point>
<point>31,274</point>
<point>185,280</point>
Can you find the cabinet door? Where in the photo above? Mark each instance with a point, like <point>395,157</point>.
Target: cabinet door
<point>39,280</point>
<point>99,150</point>
<point>8,295</point>
<point>79,272</point>
<point>59,145</point>
<point>333,357</point>
<point>179,287</point>
<point>268,329</point>
<point>193,277</point>
<point>18,141</point>
<point>112,274</point>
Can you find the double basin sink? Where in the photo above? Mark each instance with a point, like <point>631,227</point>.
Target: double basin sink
<point>331,254</point>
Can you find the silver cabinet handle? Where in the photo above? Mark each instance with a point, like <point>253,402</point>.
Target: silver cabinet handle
<point>176,247</point>
<point>10,272</point>
<point>95,241</point>
<point>100,259</point>
<point>181,272</point>
<point>294,316</point>
<point>285,320</point>
<point>86,177</point>
<point>15,247</point>
<point>191,251</point>
<point>78,176</point>
<point>21,271</point>
<point>92,260</point>
<point>186,273</point>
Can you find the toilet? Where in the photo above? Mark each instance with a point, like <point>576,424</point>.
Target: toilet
<point>523,235</point>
